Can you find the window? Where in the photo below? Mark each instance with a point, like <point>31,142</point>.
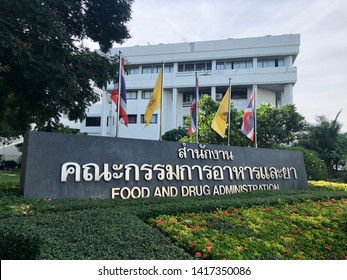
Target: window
<point>187,97</point>
<point>278,62</point>
<point>156,69</point>
<point>269,63</point>
<point>200,66</point>
<point>153,119</point>
<point>146,69</point>
<point>190,66</point>
<point>249,64</point>
<point>239,94</point>
<point>134,70</point>
<point>239,65</point>
<point>131,95</point>
<point>146,94</point>
<point>220,66</point>
<point>168,68</point>
<point>93,121</point>
<point>227,65</point>
<point>150,69</point>
<point>132,119</point>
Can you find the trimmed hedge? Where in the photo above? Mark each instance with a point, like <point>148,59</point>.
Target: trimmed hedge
<point>18,244</point>
<point>112,229</point>
<point>86,234</point>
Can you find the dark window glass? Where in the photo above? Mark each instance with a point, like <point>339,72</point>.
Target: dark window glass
<point>93,121</point>
<point>132,118</point>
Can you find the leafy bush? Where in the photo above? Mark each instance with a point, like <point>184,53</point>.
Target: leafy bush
<point>315,167</point>
<point>282,231</point>
<point>16,244</point>
<point>110,233</point>
<point>340,176</point>
<point>113,229</point>
<point>175,134</point>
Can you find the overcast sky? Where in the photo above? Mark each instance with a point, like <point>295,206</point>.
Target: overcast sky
<point>321,88</point>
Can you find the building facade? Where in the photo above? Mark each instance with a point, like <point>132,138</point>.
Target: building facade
<point>267,62</point>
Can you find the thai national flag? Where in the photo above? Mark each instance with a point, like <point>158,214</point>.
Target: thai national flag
<point>123,98</point>
<point>248,119</point>
<point>194,109</point>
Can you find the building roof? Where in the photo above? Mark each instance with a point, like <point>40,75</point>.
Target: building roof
<point>266,46</point>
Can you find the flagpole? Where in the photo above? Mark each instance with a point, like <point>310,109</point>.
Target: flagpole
<point>255,115</point>
<point>229,111</point>
<point>197,107</point>
<point>161,102</point>
<point>119,92</point>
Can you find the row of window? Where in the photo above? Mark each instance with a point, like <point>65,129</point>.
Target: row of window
<point>263,63</point>
<point>192,67</point>
<point>235,94</point>
<point>151,69</point>
<point>132,119</point>
<point>207,65</point>
<point>226,65</point>
<point>187,97</point>
<point>132,95</point>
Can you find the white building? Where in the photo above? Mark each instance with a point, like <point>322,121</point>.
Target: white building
<point>263,61</point>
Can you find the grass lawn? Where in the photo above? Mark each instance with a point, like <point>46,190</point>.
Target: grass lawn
<point>9,177</point>
<point>305,224</point>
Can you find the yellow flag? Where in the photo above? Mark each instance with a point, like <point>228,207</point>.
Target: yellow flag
<point>219,122</point>
<point>155,102</point>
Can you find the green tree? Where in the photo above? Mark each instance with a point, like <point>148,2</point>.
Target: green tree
<point>278,125</point>
<point>207,107</point>
<point>175,134</point>
<point>60,128</point>
<point>44,68</point>
<point>326,140</point>
<point>206,135</point>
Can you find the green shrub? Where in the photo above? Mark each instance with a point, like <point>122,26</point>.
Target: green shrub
<point>115,229</point>
<point>18,245</point>
<point>175,134</point>
<point>315,167</point>
<point>340,176</point>
<point>104,234</point>
<point>282,231</point>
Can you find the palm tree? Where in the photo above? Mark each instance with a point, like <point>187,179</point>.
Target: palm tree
<point>326,139</point>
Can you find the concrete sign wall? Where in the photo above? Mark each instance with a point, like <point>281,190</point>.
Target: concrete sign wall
<point>79,166</point>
